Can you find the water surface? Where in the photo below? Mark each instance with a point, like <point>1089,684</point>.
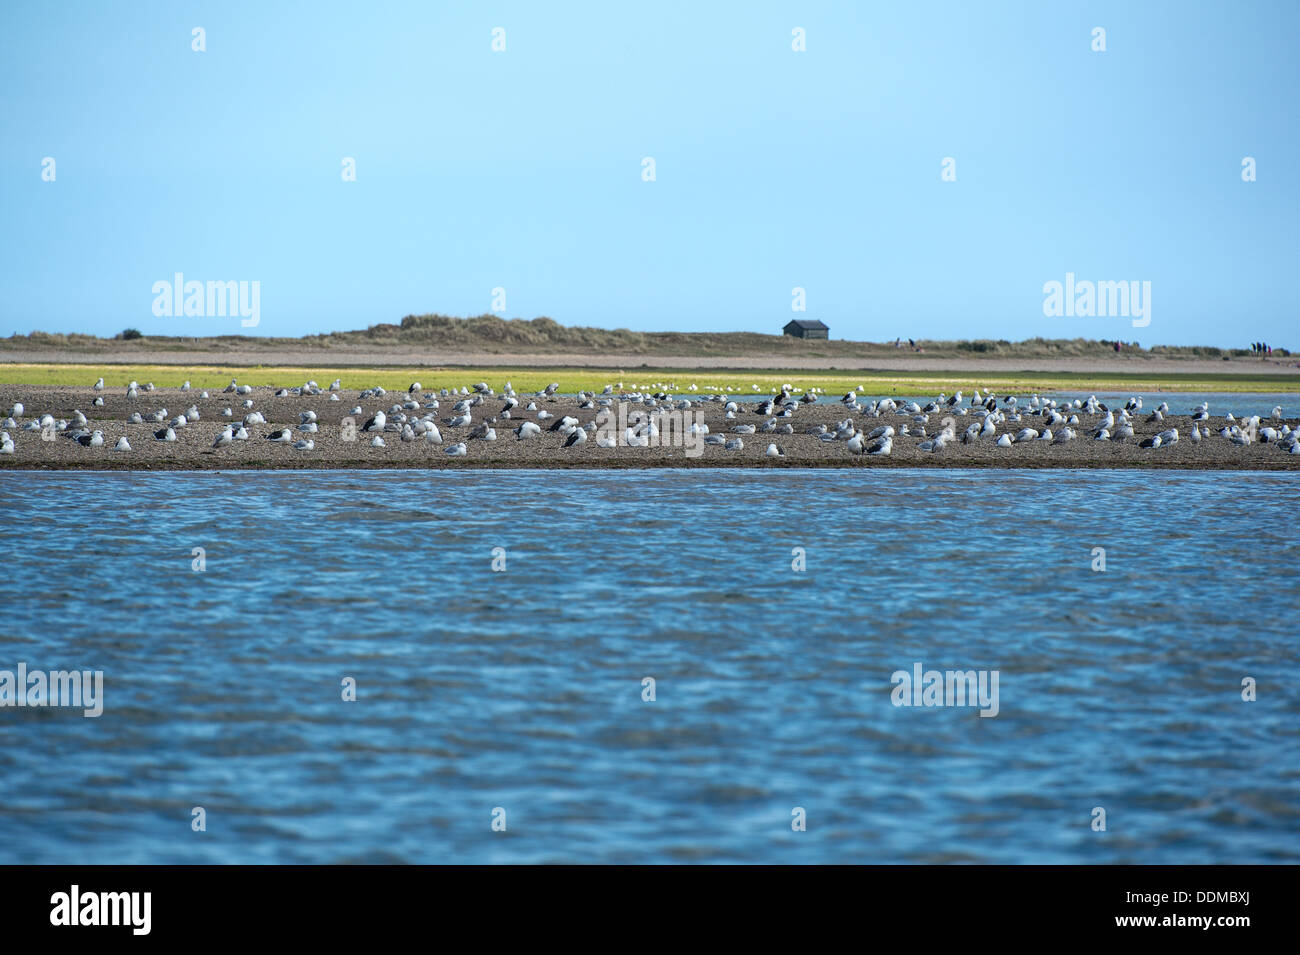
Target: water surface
<point>522,689</point>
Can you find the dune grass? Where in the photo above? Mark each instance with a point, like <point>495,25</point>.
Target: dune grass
<point>495,335</point>
<point>585,379</point>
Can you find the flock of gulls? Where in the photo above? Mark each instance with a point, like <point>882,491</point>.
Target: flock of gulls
<point>478,413</point>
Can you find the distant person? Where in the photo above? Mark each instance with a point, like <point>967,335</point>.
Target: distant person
<point>1117,348</point>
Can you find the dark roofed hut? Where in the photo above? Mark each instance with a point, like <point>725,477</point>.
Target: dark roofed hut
<point>807,328</point>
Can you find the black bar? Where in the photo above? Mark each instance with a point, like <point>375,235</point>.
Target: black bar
<point>946,904</point>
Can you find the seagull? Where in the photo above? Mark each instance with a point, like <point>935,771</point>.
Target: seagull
<point>884,446</point>
<point>457,450</point>
<point>283,436</point>
<point>99,385</point>
<point>122,445</point>
<point>225,437</point>
<point>165,434</point>
<point>527,430</point>
<point>933,444</point>
<point>305,445</point>
<point>93,440</point>
<point>579,436</point>
<point>376,423</point>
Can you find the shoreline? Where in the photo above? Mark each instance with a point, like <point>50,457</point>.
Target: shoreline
<point>948,464</point>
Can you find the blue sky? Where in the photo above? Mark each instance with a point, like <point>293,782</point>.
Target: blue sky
<point>522,169</point>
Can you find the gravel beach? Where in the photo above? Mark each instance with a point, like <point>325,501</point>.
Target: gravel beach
<point>193,448</point>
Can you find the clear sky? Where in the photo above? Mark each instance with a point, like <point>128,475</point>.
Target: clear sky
<point>522,169</point>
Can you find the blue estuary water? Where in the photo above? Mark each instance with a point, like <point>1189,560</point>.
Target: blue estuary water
<point>521,690</point>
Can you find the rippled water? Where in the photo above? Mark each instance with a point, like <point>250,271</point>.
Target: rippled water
<point>522,689</point>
